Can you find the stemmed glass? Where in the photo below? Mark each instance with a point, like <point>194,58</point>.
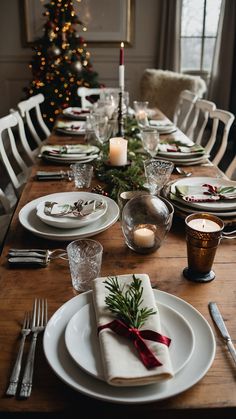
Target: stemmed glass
<point>103,128</point>
<point>140,109</point>
<point>157,173</point>
<point>150,140</point>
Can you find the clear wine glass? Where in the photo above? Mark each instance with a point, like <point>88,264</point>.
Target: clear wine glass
<point>103,128</point>
<point>150,140</point>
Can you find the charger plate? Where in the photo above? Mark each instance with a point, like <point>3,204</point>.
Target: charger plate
<point>68,371</point>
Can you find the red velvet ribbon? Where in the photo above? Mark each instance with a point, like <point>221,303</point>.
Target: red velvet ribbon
<point>138,336</point>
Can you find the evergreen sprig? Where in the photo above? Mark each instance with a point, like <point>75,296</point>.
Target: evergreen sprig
<point>126,304</point>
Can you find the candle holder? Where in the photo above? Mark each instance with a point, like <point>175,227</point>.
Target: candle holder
<point>146,219</point>
<point>201,247</point>
<point>120,132</point>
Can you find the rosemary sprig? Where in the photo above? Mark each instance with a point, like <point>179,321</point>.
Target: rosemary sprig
<point>126,304</point>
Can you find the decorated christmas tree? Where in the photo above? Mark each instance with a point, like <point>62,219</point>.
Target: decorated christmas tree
<point>61,62</point>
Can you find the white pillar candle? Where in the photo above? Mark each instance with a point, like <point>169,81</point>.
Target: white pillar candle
<point>144,237</point>
<point>118,151</point>
<point>204,224</point>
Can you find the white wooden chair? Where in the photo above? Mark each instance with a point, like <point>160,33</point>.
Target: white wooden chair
<point>31,113</point>
<point>230,172</point>
<point>201,112</point>
<point>23,141</point>
<point>15,166</point>
<point>84,92</point>
<point>219,137</point>
<point>6,212</point>
<point>184,109</point>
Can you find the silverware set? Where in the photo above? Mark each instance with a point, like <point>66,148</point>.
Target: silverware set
<point>60,175</point>
<point>34,257</point>
<point>33,323</point>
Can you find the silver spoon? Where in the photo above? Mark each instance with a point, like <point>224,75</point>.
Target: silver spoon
<point>182,171</point>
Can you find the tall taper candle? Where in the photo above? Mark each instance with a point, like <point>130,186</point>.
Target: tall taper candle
<point>122,67</point>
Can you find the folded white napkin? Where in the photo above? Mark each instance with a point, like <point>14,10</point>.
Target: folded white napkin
<point>121,361</point>
<point>71,126</point>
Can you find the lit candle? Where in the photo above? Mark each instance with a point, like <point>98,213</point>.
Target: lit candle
<point>122,53</point>
<point>204,224</point>
<point>144,237</point>
<point>141,115</point>
<point>118,151</point>
<point>122,67</point>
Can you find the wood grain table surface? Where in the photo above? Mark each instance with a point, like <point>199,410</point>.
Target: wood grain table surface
<point>214,396</point>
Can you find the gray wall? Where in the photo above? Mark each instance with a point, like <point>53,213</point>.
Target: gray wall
<point>14,58</point>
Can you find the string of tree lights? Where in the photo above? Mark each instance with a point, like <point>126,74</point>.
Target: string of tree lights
<point>61,62</point>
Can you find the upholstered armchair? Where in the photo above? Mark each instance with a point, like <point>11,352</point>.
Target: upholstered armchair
<point>162,88</point>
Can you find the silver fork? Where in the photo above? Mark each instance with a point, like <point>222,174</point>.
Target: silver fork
<point>14,379</point>
<point>39,321</point>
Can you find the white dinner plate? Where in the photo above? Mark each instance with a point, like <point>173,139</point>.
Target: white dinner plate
<point>82,153</point>
<point>188,210</point>
<point>76,113</point>
<point>30,221</point>
<point>188,161</point>
<point>71,159</point>
<point>78,149</point>
<point>68,371</point>
<point>221,206</point>
<point>70,221</point>
<point>71,128</point>
<point>83,344</point>
<point>162,129</point>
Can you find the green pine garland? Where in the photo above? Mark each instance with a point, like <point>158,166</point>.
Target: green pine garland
<point>124,179</point>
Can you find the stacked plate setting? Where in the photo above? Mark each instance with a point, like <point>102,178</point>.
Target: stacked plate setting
<point>33,219</point>
<point>72,349</point>
<point>198,201</point>
<point>76,113</point>
<point>68,154</point>
<point>180,152</point>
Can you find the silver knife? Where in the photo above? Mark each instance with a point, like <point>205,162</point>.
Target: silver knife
<point>222,328</point>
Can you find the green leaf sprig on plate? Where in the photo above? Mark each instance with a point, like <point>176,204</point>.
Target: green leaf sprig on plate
<point>126,304</point>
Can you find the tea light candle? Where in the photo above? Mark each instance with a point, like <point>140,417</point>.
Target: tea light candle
<point>144,237</point>
<point>204,224</point>
<point>118,151</point>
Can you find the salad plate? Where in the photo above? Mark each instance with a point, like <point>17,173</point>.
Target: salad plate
<point>83,344</point>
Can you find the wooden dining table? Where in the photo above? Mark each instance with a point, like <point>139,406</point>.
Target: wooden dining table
<point>213,396</point>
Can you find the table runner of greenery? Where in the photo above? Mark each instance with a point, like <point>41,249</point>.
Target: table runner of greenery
<point>130,177</point>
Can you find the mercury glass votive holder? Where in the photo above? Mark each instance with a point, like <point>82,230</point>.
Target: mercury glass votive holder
<point>146,220</point>
<point>203,235</point>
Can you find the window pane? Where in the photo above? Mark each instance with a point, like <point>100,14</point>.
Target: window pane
<point>212,17</point>
<point>192,17</point>
<point>190,54</point>
<point>208,53</point>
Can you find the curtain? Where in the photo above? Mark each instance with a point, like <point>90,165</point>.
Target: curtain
<point>222,77</point>
<point>169,24</point>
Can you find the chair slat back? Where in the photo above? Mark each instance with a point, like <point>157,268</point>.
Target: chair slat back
<point>8,147</point>
<point>30,108</point>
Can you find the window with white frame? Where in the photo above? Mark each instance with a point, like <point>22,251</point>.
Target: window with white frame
<point>199,26</point>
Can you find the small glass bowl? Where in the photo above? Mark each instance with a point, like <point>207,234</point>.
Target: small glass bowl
<point>146,220</point>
